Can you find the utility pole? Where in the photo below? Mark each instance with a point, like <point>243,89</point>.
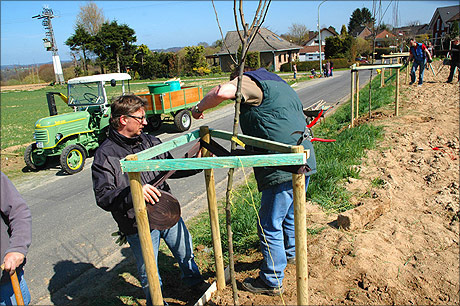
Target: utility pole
<point>320,42</point>
<point>50,43</point>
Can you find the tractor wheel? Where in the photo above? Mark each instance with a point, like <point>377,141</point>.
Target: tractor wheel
<point>183,120</point>
<point>73,159</point>
<point>153,123</point>
<point>33,160</point>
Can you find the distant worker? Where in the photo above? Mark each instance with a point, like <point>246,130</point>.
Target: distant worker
<point>15,239</point>
<point>420,54</point>
<point>454,59</point>
<point>294,67</point>
<point>112,190</point>
<point>270,110</point>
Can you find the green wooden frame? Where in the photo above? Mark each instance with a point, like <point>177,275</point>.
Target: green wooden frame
<point>145,163</point>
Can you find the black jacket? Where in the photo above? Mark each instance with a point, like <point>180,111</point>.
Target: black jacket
<point>111,186</point>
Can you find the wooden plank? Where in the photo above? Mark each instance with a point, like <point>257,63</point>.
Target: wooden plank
<point>376,67</point>
<point>168,146</point>
<point>284,159</point>
<point>397,55</point>
<point>254,141</point>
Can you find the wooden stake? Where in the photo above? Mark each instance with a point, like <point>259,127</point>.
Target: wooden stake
<point>213,213</point>
<point>397,93</point>
<point>300,223</point>
<point>143,229</point>
<point>357,94</point>
<point>352,97</point>
<point>382,78</point>
<point>407,71</point>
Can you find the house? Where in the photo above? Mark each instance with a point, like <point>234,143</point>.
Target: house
<point>361,32</point>
<point>310,51</point>
<point>274,50</point>
<point>412,30</point>
<point>384,38</point>
<point>439,23</point>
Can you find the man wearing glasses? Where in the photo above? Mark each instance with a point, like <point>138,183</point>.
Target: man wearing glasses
<point>112,190</point>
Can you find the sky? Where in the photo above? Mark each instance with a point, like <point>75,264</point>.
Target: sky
<point>165,24</point>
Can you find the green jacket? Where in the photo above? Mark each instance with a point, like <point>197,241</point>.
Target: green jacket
<point>279,114</point>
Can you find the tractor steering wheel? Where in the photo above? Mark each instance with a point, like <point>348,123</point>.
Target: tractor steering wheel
<point>90,97</point>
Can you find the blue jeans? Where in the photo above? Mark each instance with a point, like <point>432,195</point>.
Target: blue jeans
<point>179,241</point>
<point>421,71</point>
<point>6,291</point>
<point>277,242</point>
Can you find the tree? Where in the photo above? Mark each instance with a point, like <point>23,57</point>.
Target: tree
<point>81,41</point>
<point>359,18</point>
<point>343,31</point>
<point>298,34</point>
<point>90,18</point>
<point>114,45</point>
<point>195,60</point>
<point>338,47</point>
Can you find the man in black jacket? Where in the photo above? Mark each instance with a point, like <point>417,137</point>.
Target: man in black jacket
<point>112,189</point>
<point>455,59</point>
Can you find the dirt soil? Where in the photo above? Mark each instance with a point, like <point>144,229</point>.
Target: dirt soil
<point>402,246</point>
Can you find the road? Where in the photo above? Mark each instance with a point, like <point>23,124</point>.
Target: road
<point>71,234</point>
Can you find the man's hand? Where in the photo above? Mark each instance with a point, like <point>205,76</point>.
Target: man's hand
<point>151,194</point>
<point>12,260</point>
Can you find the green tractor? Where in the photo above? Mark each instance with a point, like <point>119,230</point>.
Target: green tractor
<point>71,136</point>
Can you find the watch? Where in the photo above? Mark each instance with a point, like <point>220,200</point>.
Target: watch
<point>196,110</point>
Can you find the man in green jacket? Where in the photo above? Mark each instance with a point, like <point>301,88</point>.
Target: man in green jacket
<point>270,110</point>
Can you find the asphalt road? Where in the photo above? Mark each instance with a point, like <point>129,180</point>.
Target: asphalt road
<point>71,234</point>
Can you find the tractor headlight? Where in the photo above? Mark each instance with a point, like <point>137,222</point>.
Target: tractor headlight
<point>58,136</point>
<point>40,144</point>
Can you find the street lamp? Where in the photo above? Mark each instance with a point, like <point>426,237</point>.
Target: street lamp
<point>319,36</point>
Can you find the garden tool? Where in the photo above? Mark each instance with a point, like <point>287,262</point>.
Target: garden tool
<point>16,288</point>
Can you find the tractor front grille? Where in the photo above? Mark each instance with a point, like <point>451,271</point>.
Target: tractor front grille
<point>41,135</point>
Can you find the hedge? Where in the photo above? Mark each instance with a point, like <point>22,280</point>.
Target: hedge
<point>307,66</point>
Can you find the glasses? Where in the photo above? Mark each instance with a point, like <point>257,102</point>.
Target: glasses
<point>137,117</point>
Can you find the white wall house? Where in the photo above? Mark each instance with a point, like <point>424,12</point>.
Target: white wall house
<point>310,51</point>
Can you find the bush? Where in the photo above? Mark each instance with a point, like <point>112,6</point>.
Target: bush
<point>380,51</point>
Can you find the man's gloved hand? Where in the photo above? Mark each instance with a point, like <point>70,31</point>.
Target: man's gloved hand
<point>121,238</point>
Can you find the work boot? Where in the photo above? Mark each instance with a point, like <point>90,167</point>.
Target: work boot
<point>258,286</point>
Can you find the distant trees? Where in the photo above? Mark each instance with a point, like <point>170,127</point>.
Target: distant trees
<point>297,34</point>
<point>338,46</point>
<point>90,18</point>
<point>114,45</point>
<point>81,41</point>
<point>359,18</point>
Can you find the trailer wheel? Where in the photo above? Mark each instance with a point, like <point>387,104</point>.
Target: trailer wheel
<point>183,120</point>
<point>153,123</point>
<point>33,160</point>
<point>73,159</point>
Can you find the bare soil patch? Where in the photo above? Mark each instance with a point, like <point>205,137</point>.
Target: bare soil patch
<point>28,87</point>
<point>408,252</point>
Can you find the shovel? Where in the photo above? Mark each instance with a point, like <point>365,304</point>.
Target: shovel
<point>16,288</point>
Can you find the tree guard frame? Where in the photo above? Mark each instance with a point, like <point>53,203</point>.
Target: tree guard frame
<point>288,155</point>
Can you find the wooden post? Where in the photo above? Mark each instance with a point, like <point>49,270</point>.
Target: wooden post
<point>16,289</point>
<point>397,93</point>
<point>352,96</point>
<point>143,229</point>
<point>357,94</point>
<point>382,78</point>
<point>213,213</point>
<point>300,223</point>
<point>407,71</point>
